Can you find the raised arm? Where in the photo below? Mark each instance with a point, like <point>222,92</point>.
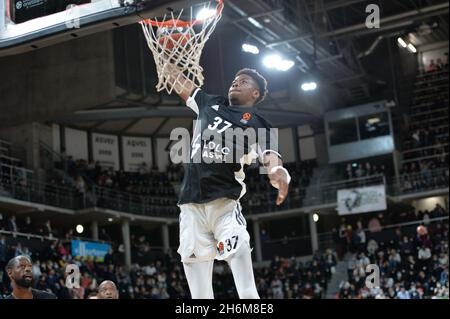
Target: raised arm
<point>182,85</point>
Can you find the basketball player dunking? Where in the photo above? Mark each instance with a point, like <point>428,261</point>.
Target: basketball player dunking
<point>211,221</point>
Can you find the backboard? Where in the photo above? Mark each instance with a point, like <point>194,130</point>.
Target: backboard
<point>27,25</point>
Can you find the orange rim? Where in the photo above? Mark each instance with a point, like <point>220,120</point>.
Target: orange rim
<point>180,23</point>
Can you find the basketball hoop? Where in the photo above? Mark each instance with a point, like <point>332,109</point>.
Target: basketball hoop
<point>177,46</point>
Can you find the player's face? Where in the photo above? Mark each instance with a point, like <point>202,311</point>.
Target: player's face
<point>108,291</point>
<point>243,91</point>
<point>22,273</point>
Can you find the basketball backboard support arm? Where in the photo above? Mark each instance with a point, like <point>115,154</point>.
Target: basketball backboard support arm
<point>79,21</point>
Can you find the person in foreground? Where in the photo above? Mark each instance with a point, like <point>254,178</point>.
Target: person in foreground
<point>19,271</point>
<point>211,222</point>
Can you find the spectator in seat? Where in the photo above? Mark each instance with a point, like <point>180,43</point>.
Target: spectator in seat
<point>368,169</point>
<point>403,294</point>
<point>47,229</point>
<point>3,253</point>
<point>80,185</point>
<point>360,171</point>
<point>104,235</point>
<point>349,171</point>
<point>27,227</point>
<point>12,225</point>
<point>424,256</point>
<point>2,223</point>
<point>361,235</point>
<point>431,67</point>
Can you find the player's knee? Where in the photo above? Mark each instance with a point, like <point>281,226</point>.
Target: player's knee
<point>243,250</point>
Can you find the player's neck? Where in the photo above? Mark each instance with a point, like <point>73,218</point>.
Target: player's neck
<point>22,293</point>
<point>248,105</point>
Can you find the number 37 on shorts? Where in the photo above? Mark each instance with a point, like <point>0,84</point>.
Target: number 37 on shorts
<point>228,246</point>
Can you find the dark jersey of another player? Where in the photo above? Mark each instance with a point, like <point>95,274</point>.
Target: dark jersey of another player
<point>37,294</point>
<point>216,166</point>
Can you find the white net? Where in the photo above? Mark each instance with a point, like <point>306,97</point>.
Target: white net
<point>177,47</point>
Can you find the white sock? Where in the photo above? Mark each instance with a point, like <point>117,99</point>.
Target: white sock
<point>199,278</point>
<point>242,268</point>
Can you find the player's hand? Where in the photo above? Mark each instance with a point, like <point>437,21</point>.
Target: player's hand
<point>279,180</point>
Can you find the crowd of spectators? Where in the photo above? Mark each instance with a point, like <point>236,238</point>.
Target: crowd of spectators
<point>425,146</point>
<point>437,65</point>
<point>426,141</point>
<point>411,267</point>
<point>428,174</point>
<point>353,229</point>
<point>26,226</point>
<point>161,276</point>
<point>283,278</point>
<point>359,170</point>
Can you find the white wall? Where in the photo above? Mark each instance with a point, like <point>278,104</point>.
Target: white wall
<point>429,203</point>
<point>136,150</point>
<point>432,52</point>
<point>286,145</point>
<point>56,141</point>
<point>321,149</point>
<point>25,140</point>
<point>307,148</point>
<point>76,143</point>
<point>307,143</point>
<point>105,149</point>
<point>162,156</point>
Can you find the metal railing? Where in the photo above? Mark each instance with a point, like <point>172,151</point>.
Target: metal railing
<point>419,159</point>
<point>133,203</point>
<point>419,149</point>
<point>34,191</point>
<point>420,182</point>
<point>428,112</point>
<point>327,193</point>
<point>318,194</point>
<point>31,190</point>
<point>16,172</point>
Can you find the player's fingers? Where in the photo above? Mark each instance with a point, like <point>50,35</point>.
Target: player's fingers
<point>282,193</point>
<point>280,199</point>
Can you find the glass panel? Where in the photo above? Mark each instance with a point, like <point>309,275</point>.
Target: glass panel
<point>374,125</point>
<point>343,131</point>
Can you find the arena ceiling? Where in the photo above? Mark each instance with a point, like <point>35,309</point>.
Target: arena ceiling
<point>328,39</point>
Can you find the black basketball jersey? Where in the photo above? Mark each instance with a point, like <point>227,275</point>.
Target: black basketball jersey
<point>216,164</point>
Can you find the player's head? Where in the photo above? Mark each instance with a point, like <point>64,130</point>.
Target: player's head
<point>107,290</point>
<point>20,271</point>
<point>248,88</point>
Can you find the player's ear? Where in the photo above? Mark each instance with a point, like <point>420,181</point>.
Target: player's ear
<point>256,94</point>
<point>9,272</point>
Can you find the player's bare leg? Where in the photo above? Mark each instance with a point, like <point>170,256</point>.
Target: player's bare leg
<point>242,269</point>
<point>199,278</point>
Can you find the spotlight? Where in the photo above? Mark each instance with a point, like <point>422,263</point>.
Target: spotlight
<point>255,23</point>
<point>205,14</point>
<point>412,48</point>
<point>274,61</point>
<point>249,48</point>
<point>309,86</point>
<point>316,217</point>
<point>402,42</point>
<point>79,229</point>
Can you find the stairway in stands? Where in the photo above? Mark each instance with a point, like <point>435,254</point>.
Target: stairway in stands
<point>338,277</point>
<point>321,174</point>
